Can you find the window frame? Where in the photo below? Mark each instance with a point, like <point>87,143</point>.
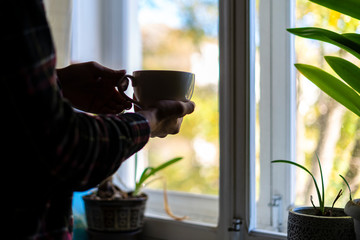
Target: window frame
<point>237,136</point>
<point>277,110</point>
<point>237,119</point>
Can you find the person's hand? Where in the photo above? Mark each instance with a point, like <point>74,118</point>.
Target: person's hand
<point>90,87</point>
<point>165,117</point>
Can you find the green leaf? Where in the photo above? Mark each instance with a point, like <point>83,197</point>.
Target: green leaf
<point>330,37</point>
<point>150,171</point>
<point>348,71</point>
<point>305,169</point>
<point>144,176</point>
<point>347,184</point>
<point>353,37</point>
<point>333,86</point>
<point>166,164</point>
<point>348,7</point>
<point>322,204</point>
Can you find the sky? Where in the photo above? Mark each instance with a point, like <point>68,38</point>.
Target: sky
<point>159,11</point>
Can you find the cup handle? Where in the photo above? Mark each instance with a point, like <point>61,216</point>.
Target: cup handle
<point>136,103</point>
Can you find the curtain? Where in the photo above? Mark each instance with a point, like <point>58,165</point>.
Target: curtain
<point>59,17</point>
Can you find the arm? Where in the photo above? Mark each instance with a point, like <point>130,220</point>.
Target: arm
<point>65,147</point>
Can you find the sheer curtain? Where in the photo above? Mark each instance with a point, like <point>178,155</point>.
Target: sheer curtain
<point>59,16</point>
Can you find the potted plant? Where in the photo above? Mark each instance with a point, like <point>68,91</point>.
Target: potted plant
<point>111,211</point>
<point>352,208</point>
<point>320,222</point>
<point>345,88</point>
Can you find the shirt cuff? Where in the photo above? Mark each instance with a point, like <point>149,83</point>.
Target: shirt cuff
<point>139,127</point>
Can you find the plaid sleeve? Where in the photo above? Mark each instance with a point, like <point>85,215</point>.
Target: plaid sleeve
<point>50,149</point>
<point>97,145</point>
<point>78,150</point>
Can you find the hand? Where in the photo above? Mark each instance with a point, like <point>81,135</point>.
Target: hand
<point>165,117</point>
<point>90,87</point>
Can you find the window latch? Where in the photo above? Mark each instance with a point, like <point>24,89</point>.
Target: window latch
<point>276,212</point>
<point>236,225</point>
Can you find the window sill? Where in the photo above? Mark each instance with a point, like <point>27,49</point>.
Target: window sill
<point>201,210</point>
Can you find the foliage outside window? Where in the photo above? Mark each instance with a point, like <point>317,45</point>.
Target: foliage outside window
<point>324,126</point>
<point>184,36</point>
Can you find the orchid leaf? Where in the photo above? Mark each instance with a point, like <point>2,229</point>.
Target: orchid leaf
<point>348,71</point>
<point>333,86</point>
<point>348,7</point>
<point>353,37</point>
<point>145,175</point>
<point>166,164</point>
<point>347,184</point>
<point>339,40</point>
<point>150,171</point>
<point>321,202</point>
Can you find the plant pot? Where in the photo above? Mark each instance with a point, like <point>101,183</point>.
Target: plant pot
<point>353,210</point>
<point>116,215</point>
<point>304,224</point>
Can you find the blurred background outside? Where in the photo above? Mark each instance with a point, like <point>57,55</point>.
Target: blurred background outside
<point>324,127</point>
<point>183,35</point>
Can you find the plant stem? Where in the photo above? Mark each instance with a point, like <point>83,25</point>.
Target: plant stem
<point>337,197</point>
<point>347,184</point>
<point>322,202</point>
<point>322,209</point>
<point>136,165</point>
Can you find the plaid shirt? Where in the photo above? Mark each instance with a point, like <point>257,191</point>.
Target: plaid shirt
<point>48,150</point>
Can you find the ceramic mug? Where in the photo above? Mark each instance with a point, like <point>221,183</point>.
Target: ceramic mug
<point>154,85</point>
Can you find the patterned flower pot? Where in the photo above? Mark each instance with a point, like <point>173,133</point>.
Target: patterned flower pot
<point>118,215</point>
<point>304,224</point>
<point>353,210</point>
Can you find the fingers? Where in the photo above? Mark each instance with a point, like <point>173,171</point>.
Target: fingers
<point>118,102</point>
<point>174,109</point>
<point>123,84</point>
<point>169,126</point>
<point>165,116</point>
<point>188,107</point>
<point>113,105</point>
<point>107,73</point>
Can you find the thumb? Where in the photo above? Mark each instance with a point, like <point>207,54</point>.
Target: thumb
<point>105,72</point>
<point>170,109</point>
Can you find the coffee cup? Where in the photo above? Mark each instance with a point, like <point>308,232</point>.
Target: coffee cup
<point>151,86</point>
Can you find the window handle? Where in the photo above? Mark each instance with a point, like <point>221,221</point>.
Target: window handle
<point>236,225</point>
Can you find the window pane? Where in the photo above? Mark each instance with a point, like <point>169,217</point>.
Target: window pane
<point>325,127</point>
<point>275,111</point>
<point>183,35</point>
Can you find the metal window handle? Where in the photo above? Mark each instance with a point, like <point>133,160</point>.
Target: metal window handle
<point>236,225</point>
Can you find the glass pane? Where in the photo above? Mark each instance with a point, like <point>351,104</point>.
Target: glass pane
<point>275,104</point>
<point>183,35</point>
<point>325,127</point>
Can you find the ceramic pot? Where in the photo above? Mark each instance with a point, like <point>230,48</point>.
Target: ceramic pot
<point>118,215</point>
<point>303,224</point>
<point>353,210</point>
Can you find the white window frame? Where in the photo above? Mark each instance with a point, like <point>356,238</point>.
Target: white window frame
<point>277,111</point>
<point>237,115</point>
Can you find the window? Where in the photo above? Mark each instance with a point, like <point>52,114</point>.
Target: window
<point>324,126</point>
<point>265,110</point>
<point>296,120</point>
<point>183,35</point>
<point>275,109</point>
